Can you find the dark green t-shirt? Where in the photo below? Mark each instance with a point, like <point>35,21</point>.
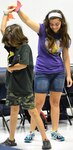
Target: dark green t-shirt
<point>20,82</point>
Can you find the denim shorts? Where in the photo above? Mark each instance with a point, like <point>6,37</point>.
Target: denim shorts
<point>44,83</point>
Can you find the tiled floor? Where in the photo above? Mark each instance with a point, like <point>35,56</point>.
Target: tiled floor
<point>64,128</point>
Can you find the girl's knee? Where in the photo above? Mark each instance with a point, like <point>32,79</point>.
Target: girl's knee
<point>33,112</point>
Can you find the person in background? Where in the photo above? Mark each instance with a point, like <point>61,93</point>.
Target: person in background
<point>52,65</point>
<point>19,79</point>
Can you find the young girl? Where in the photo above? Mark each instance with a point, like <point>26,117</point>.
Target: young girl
<point>52,65</point>
<point>19,79</point>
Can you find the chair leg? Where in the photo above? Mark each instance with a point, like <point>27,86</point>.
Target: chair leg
<point>68,119</point>
<point>68,99</point>
<point>4,121</point>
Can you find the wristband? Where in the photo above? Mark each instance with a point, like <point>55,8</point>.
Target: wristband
<point>18,11</point>
<point>5,13</point>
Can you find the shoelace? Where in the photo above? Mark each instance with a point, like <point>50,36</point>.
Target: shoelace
<point>57,135</point>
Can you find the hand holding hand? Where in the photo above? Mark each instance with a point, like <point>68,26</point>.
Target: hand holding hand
<point>10,9</point>
<point>15,8</point>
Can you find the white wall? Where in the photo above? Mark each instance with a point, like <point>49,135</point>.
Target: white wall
<point>37,10</point>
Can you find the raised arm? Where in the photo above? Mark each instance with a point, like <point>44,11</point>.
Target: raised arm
<point>34,26</point>
<point>4,22</point>
<point>5,19</point>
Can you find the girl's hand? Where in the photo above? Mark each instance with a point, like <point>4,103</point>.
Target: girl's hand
<point>15,8</point>
<point>69,82</point>
<point>10,69</point>
<point>8,13</point>
<point>10,9</point>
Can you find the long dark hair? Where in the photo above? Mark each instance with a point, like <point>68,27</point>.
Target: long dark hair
<point>62,32</point>
<point>13,36</point>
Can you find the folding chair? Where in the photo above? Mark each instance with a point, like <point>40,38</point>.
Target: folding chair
<point>3,95</point>
<point>3,109</point>
<point>64,103</point>
<point>3,117</point>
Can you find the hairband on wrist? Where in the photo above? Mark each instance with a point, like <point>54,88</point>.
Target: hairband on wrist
<point>5,13</point>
